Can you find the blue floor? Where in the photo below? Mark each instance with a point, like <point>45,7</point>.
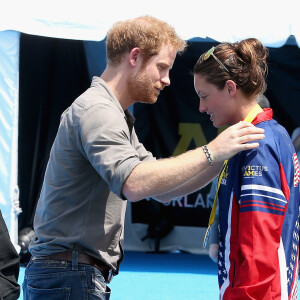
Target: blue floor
<point>175,276</point>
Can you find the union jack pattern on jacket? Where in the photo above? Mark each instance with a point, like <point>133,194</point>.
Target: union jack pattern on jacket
<point>259,219</point>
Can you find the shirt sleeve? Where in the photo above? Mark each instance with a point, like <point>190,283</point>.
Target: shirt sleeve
<point>262,206</point>
<point>106,142</point>
<point>144,155</point>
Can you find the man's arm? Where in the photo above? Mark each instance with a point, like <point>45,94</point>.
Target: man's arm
<point>203,178</point>
<point>189,171</point>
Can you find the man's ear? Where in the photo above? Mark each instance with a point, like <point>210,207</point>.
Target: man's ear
<point>231,87</point>
<point>133,55</point>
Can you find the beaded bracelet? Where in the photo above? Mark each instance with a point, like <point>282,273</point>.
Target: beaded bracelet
<point>208,155</point>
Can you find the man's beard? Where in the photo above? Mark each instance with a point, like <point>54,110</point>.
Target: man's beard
<point>141,88</point>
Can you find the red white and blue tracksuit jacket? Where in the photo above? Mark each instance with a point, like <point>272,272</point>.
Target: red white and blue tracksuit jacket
<point>259,219</point>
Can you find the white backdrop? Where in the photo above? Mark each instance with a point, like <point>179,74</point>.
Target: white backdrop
<point>271,21</point>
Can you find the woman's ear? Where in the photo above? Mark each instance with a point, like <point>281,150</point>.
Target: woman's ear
<point>133,56</point>
<point>231,87</point>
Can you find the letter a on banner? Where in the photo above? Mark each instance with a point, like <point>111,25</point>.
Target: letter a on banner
<point>188,133</point>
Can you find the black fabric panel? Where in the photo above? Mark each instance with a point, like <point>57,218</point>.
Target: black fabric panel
<point>53,72</point>
<point>284,85</point>
<point>157,125</point>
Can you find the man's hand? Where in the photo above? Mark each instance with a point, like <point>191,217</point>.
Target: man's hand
<point>213,252</point>
<point>235,139</point>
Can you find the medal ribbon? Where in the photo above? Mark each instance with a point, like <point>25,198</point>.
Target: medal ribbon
<point>250,117</point>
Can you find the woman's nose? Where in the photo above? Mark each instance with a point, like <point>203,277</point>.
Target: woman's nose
<point>202,107</point>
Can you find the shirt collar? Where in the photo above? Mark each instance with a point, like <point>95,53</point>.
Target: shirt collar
<point>266,115</point>
<point>97,81</point>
